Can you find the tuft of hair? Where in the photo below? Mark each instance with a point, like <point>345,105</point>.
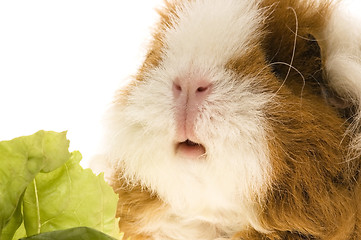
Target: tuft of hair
<point>341,49</point>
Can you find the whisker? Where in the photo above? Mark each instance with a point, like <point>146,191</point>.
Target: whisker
<point>295,42</point>
<point>291,61</point>
<point>306,38</point>
<point>284,81</point>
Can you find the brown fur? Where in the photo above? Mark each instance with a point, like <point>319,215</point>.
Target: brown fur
<point>315,190</point>
<point>313,187</point>
<point>154,54</point>
<point>136,208</point>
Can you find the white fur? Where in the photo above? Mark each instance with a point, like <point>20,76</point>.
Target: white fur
<point>341,43</point>
<point>210,32</point>
<point>216,196</point>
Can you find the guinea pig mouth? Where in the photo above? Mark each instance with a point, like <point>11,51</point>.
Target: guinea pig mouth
<point>190,150</point>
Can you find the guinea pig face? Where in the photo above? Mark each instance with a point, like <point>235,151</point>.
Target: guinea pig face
<point>192,129</point>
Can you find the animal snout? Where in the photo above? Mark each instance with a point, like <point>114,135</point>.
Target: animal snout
<point>191,90</point>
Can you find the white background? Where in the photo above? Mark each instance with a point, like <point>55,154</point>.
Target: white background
<point>61,62</point>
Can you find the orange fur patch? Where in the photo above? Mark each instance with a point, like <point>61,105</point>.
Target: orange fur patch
<point>136,208</point>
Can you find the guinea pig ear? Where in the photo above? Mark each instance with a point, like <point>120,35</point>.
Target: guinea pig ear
<point>301,41</point>
<point>291,48</point>
<point>317,45</point>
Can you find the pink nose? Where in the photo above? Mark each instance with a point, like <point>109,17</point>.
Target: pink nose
<point>190,89</point>
<point>189,94</point>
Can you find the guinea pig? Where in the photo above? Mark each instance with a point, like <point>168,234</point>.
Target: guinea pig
<point>241,123</point>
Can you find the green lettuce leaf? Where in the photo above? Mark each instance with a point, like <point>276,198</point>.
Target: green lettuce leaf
<point>21,159</point>
<point>20,233</point>
<point>14,223</point>
<point>71,234</point>
<point>45,190</point>
<point>69,197</point>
